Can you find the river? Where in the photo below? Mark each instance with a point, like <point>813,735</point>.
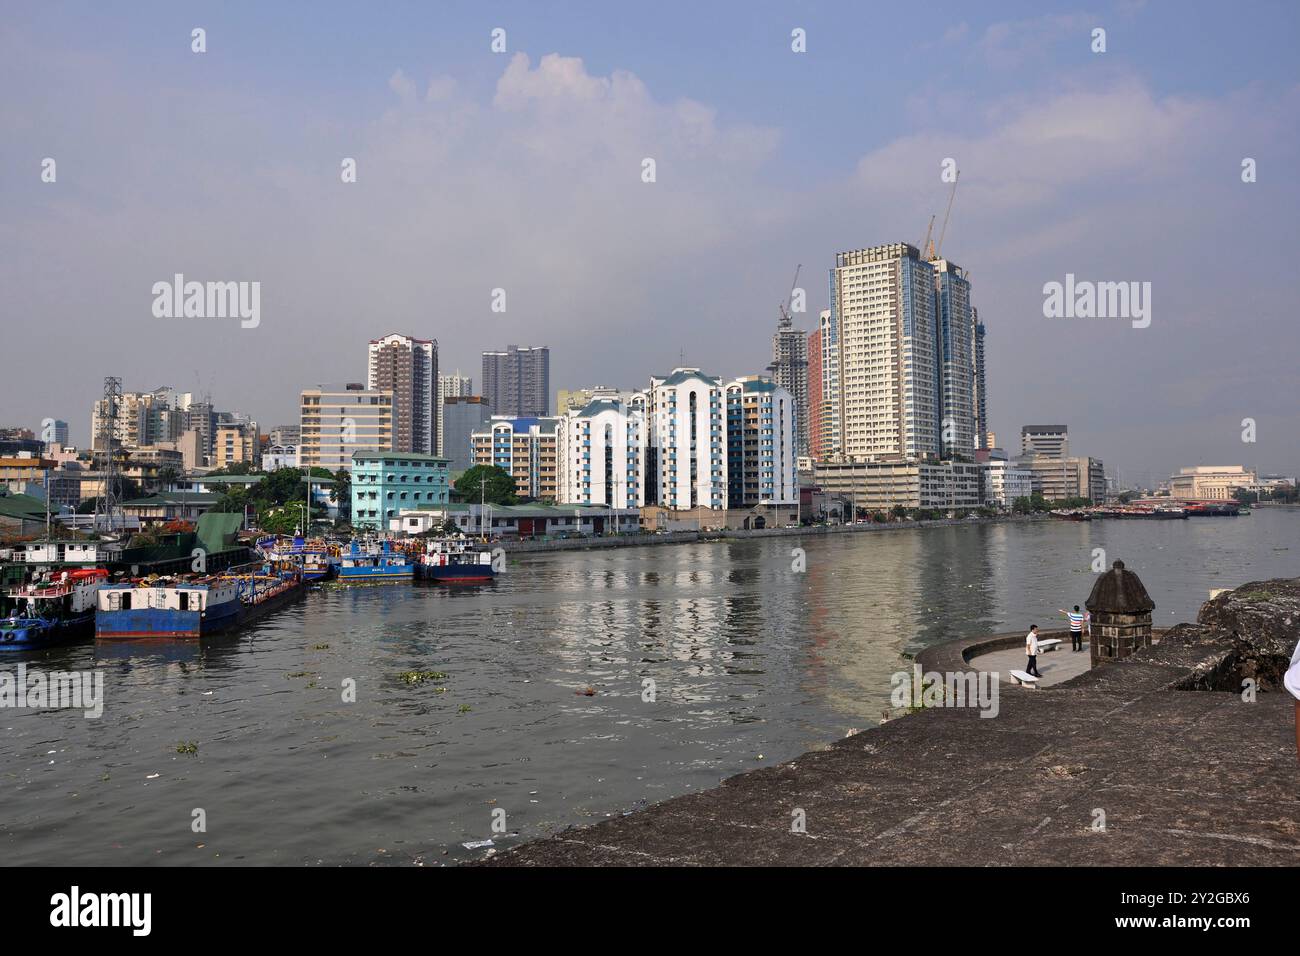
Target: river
<point>755,651</point>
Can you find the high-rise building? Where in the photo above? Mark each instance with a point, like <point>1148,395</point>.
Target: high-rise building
<point>761,443</point>
<point>899,366</point>
<point>813,426</point>
<point>883,315</point>
<point>337,423</point>
<point>686,460</point>
<point>517,381</point>
<point>955,322</point>
<point>408,367</point>
<point>981,389</point>
<point>450,385</point>
<point>789,369</point>
<point>1045,441</point>
<point>462,416</point>
<point>525,448</point>
<point>601,451</point>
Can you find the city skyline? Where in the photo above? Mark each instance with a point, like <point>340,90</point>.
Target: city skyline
<point>1073,164</point>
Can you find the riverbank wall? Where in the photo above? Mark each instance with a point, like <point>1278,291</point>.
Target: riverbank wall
<point>1184,754</point>
<point>690,537</point>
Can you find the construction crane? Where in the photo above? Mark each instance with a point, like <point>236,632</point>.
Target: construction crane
<point>786,319</point>
<point>925,243</point>
<point>937,252</point>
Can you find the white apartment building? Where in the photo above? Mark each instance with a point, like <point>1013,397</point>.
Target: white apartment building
<point>601,450</point>
<point>762,441</point>
<point>686,461</point>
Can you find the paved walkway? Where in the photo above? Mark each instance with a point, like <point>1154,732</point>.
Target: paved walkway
<point>1056,666</point>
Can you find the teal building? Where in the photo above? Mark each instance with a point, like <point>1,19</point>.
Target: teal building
<point>386,483</point>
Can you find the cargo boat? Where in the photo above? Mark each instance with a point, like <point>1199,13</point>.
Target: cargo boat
<point>56,609</point>
<point>455,561</point>
<point>177,610</point>
<point>369,565</point>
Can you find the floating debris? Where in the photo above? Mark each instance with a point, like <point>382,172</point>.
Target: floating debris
<point>586,692</point>
<point>419,677</point>
<point>187,747</point>
<point>477,844</point>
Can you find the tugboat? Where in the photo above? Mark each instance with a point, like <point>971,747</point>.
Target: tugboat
<point>56,609</point>
<point>455,561</point>
<point>372,564</point>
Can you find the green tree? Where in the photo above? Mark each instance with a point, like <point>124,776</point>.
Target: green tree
<point>341,493</point>
<point>486,483</point>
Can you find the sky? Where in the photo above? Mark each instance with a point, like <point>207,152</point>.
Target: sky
<point>522,170</point>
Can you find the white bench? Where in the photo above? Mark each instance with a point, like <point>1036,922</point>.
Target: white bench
<point>1048,645</point>
<point>1028,680</point>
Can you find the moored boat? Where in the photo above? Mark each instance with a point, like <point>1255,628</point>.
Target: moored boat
<point>455,561</point>
<point>374,564</point>
<point>186,609</point>
<point>57,608</point>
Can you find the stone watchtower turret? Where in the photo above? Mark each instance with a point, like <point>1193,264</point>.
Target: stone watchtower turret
<point>1121,615</point>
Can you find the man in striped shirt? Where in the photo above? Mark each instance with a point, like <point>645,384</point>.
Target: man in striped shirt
<point>1076,627</point>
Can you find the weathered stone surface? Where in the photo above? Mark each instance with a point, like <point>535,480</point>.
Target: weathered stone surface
<point>1183,775</point>
<point>1263,618</point>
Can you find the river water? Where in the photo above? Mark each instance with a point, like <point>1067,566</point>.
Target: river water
<point>752,662</point>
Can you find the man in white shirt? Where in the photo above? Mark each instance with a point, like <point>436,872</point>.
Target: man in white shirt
<point>1031,651</point>
<point>1291,681</point>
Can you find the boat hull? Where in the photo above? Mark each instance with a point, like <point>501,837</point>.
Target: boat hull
<point>28,634</point>
<point>166,623</point>
<point>457,574</point>
<point>370,575</point>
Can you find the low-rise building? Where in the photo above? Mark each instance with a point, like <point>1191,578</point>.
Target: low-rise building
<point>883,485</point>
<point>386,483</point>
<point>1003,482</point>
<point>534,520</point>
<point>1059,478</point>
<point>1210,482</point>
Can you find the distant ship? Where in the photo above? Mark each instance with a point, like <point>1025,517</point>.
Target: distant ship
<point>176,610</point>
<point>55,609</point>
<point>374,563</point>
<point>455,561</point>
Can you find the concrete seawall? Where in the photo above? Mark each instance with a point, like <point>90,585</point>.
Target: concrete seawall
<point>688,537</point>
<point>1155,760</point>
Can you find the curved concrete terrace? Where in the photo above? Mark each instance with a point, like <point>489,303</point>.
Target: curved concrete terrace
<point>1136,762</point>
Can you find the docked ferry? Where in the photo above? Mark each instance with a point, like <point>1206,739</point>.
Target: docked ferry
<point>57,608</point>
<point>455,561</point>
<point>375,563</point>
<point>182,610</point>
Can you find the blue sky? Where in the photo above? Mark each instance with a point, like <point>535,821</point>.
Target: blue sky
<point>480,170</point>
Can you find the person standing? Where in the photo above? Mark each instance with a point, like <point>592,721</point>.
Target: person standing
<point>1031,651</point>
<point>1076,627</point>
<point>1291,681</point>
